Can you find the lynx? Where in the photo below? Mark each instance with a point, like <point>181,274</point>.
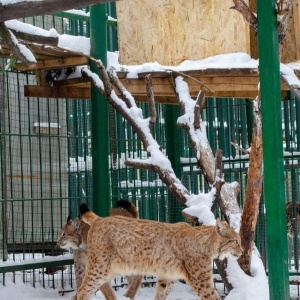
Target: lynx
<point>74,235</point>
<point>293,221</point>
<point>118,245</point>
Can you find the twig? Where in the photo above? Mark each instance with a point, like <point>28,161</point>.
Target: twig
<point>188,76</point>
<point>246,12</point>
<point>239,148</point>
<point>151,101</point>
<point>200,103</point>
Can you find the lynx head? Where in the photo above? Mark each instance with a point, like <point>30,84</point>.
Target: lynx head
<point>70,236</point>
<point>230,241</point>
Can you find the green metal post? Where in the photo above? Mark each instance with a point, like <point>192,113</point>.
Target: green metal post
<point>272,150</point>
<point>100,115</point>
<point>173,152</point>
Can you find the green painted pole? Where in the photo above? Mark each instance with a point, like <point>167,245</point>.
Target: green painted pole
<point>277,250</point>
<point>173,152</point>
<point>100,115</point>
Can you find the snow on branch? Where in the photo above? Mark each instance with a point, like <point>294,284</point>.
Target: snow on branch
<point>246,12</point>
<point>21,52</point>
<point>203,153</point>
<point>284,9</point>
<point>126,106</point>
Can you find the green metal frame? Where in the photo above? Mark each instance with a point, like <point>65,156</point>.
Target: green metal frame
<point>272,150</point>
<point>100,115</point>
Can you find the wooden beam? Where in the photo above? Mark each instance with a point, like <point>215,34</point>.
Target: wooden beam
<point>73,81</point>
<point>220,86</point>
<point>69,92</point>
<point>57,63</point>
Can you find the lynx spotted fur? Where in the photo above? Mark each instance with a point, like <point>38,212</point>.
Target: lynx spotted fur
<point>118,245</point>
<point>74,235</point>
<point>293,218</point>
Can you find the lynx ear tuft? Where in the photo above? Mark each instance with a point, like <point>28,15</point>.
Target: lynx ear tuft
<point>83,209</point>
<point>221,227</point>
<point>69,219</point>
<point>76,223</point>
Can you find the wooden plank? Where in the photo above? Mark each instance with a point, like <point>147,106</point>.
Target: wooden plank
<point>213,86</point>
<point>74,81</point>
<point>208,72</point>
<point>57,63</point>
<point>70,92</point>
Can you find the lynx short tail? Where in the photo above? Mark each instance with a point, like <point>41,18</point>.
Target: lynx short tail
<point>87,216</point>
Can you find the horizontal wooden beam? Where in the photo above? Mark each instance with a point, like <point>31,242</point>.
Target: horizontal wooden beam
<point>69,92</point>
<point>235,84</point>
<point>58,63</point>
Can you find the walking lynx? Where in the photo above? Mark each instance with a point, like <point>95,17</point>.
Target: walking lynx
<point>118,245</point>
<point>74,235</point>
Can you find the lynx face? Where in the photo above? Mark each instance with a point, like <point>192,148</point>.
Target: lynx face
<point>71,235</point>
<point>230,244</point>
<point>74,235</point>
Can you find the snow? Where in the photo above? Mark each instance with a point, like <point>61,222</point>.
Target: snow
<point>73,43</point>
<point>223,61</point>
<point>200,206</point>
<point>7,2</point>
<point>23,49</point>
<point>30,29</point>
<point>23,291</point>
<point>244,286</point>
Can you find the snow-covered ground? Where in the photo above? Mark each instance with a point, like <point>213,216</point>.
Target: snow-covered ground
<point>21,291</point>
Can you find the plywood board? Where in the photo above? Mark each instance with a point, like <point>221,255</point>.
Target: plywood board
<point>169,31</point>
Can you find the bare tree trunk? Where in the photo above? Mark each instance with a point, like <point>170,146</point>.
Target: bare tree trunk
<point>253,191</point>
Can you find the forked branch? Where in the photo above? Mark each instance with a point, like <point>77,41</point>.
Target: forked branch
<point>157,161</point>
<point>284,9</point>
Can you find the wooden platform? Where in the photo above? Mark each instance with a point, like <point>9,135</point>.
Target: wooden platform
<point>237,83</point>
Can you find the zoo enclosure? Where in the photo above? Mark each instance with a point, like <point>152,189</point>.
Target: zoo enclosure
<point>46,160</point>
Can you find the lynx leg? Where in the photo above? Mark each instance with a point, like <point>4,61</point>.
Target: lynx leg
<point>202,285</point>
<point>163,288</point>
<point>134,282</point>
<point>80,258</point>
<point>107,291</point>
<point>90,285</point>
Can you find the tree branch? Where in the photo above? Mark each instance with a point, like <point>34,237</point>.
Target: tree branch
<point>284,9</point>
<point>134,117</point>
<point>203,153</point>
<point>246,12</point>
<point>39,8</point>
<point>151,101</point>
<point>239,148</point>
<point>33,38</point>
<point>21,52</point>
<point>253,191</point>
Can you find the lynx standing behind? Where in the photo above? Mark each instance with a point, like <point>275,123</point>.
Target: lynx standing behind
<point>293,218</point>
<point>118,245</point>
<point>74,235</point>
